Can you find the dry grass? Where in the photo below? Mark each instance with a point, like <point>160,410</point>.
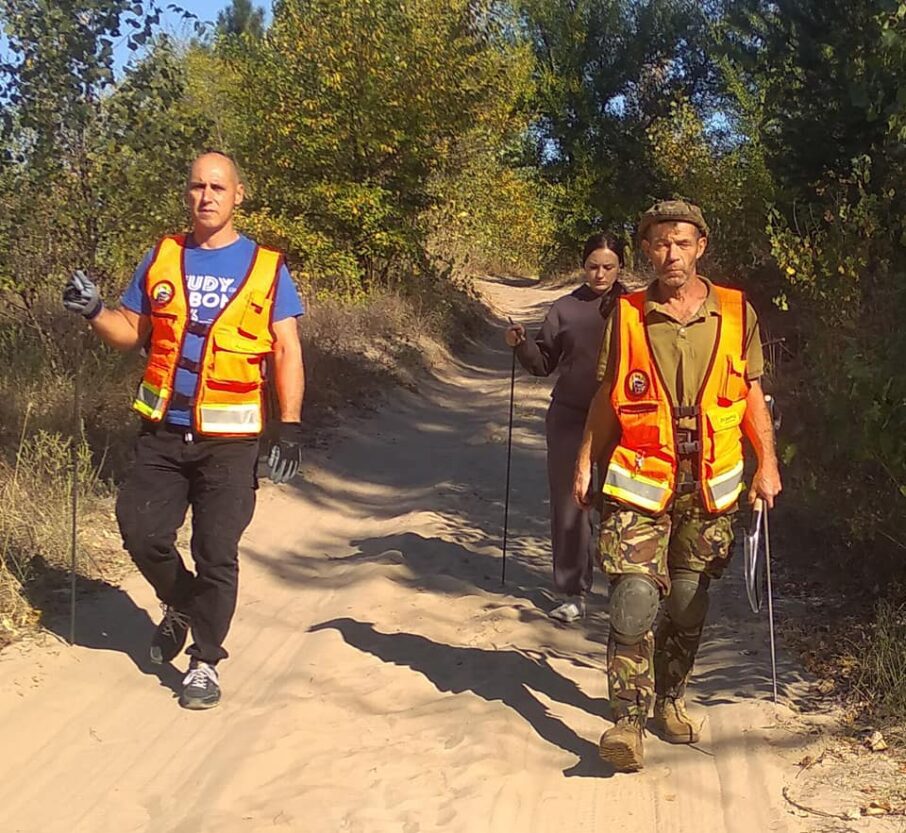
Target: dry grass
<point>354,351</point>
<point>855,649</point>
<point>882,667</point>
<point>36,523</point>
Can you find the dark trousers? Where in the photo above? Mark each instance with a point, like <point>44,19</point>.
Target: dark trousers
<point>571,527</point>
<point>217,479</point>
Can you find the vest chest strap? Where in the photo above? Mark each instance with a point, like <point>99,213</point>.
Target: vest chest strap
<point>181,402</point>
<point>188,364</point>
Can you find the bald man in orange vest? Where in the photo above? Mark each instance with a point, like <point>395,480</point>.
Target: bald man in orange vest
<point>213,307</point>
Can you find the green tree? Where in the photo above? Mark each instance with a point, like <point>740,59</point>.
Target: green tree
<point>241,17</point>
<point>86,161</point>
<point>827,88</point>
<point>606,71</point>
<point>821,87</point>
<point>351,107</point>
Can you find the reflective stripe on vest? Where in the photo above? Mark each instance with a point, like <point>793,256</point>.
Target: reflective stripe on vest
<point>230,419</point>
<point>726,488</point>
<point>626,487</point>
<point>642,470</point>
<point>228,393</point>
<point>150,402</point>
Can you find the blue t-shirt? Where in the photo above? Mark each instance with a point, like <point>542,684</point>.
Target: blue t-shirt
<point>212,278</point>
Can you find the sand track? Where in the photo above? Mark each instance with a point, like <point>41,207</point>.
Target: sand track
<point>381,679</point>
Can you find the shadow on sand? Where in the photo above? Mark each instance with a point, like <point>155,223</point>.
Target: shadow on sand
<point>106,620</point>
<point>506,676</point>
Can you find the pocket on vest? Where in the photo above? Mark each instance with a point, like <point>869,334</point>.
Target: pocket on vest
<point>163,339</point>
<point>236,364</point>
<point>722,425</point>
<point>734,385</point>
<point>640,426</point>
<point>256,317</point>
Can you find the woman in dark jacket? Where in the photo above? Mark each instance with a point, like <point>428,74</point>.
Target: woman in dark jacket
<point>569,341</point>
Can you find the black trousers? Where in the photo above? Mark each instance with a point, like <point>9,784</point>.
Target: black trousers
<point>217,479</point>
<point>571,527</point>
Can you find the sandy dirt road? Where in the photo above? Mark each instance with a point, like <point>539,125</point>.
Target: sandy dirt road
<point>381,679</point>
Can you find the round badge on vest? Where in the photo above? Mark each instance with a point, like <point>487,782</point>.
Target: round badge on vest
<point>162,293</point>
<point>637,383</point>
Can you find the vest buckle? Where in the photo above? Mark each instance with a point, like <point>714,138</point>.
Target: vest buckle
<point>686,412</point>
<point>689,448</point>
<point>191,365</point>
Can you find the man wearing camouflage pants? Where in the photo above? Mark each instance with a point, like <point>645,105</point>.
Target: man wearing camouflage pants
<point>680,371</point>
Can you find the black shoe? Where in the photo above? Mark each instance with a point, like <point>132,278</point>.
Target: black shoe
<point>170,636</point>
<point>200,687</point>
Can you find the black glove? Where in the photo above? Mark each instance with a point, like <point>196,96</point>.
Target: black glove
<point>81,295</point>
<point>286,453</point>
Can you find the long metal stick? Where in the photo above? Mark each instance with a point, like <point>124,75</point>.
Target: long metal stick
<point>767,564</point>
<point>74,462</point>
<point>509,454</point>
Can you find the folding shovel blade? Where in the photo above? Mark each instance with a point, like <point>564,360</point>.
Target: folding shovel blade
<point>754,566</point>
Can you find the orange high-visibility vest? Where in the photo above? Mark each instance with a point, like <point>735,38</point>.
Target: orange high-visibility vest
<point>228,394</point>
<point>643,468</point>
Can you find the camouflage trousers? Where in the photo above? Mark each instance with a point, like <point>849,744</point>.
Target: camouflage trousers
<point>686,538</point>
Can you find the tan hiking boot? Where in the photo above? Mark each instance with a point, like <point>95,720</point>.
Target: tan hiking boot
<point>622,746</point>
<point>672,721</point>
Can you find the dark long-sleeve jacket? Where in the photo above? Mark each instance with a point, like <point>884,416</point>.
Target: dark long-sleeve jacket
<point>569,341</point>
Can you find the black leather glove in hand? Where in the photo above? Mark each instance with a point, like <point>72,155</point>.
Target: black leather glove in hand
<point>81,295</point>
<point>286,453</point>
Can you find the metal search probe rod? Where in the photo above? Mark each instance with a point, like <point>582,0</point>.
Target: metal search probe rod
<point>767,565</point>
<point>73,556</point>
<point>74,464</point>
<point>509,456</point>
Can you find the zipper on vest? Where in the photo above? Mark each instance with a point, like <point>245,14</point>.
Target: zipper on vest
<point>639,459</point>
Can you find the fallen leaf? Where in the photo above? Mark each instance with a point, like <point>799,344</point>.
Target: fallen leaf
<point>807,761</point>
<point>877,808</point>
<point>876,742</point>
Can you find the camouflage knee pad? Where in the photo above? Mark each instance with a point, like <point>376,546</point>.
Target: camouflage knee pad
<point>687,603</point>
<point>634,604</point>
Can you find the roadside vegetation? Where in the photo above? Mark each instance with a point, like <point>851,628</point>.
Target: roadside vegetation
<point>393,149</point>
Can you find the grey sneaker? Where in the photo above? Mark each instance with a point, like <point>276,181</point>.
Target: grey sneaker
<point>570,610</point>
<point>200,687</point>
<point>170,635</point>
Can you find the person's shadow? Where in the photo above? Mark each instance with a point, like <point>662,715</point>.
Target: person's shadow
<point>110,622</point>
<point>505,675</point>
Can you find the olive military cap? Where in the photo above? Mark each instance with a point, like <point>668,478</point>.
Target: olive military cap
<point>673,211</point>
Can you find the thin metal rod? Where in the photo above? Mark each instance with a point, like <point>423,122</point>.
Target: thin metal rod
<point>767,564</point>
<point>509,455</point>
<point>74,463</point>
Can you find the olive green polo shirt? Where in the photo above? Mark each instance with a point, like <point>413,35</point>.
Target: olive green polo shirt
<point>682,352</point>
